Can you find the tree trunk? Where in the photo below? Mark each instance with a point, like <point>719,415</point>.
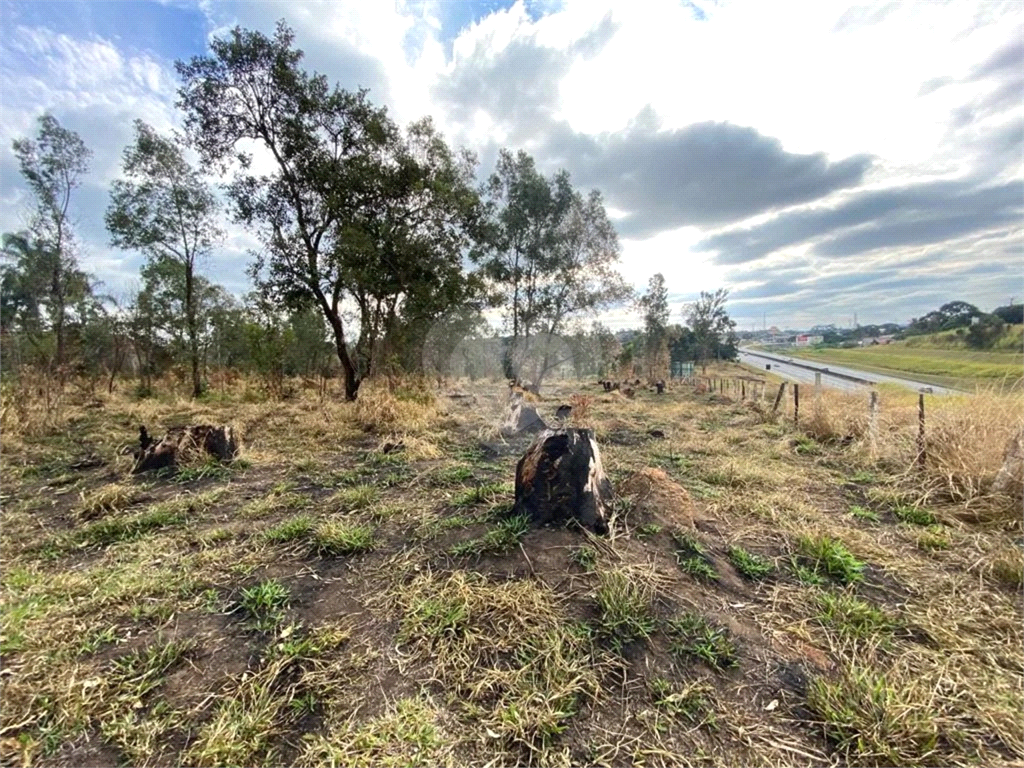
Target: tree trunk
<point>193,331</point>
<point>352,380</point>
<point>181,443</point>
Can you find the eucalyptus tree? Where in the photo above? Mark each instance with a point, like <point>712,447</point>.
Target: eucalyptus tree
<point>164,208</point>
<point>713,330</point>
<point>654,304</point>
<point>351,213</point>
<point>550,255</point>
<point>42,261</point>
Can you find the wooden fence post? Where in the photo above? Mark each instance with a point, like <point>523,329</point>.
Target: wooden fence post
<point>817,385</point>
<point>778,397</point>
<point>743,390</point>
<point>796,405</point>
<point>920,431</point>
<point>873,422</point>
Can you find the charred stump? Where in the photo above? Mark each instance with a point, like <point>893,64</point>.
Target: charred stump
<point>560,478</point>
<point>521,417</point>
<point>563,412</point>
<point>660,385</point>
<point>184,442</point>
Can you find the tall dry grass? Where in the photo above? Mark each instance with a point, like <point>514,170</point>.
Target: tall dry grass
<point>966,438</point>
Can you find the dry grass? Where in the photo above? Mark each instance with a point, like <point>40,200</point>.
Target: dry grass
<point>306,607</point>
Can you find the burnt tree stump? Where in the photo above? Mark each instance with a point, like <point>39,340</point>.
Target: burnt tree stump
<point>563,412</point>
<point>184,442</point>
<point>560,479</point>
<point>521,417</point>
<point>660,385</point>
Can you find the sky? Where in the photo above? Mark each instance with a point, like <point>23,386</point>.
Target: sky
<point>820,160</point>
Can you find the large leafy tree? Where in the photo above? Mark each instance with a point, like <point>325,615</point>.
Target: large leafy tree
<point>42,270</point>
<point>164,208</point>
<point>349,211</point>
<point>713,330</point>
<point>550,256</point>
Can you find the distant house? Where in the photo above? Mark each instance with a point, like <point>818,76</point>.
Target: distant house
<point>808,340</point>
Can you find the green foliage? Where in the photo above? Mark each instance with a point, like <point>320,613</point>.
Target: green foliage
<point>692,557</point>
<point>265,603</point>
<point>830,556</point>
<point>692,635</point>
<point>381,218</point>
<point>625,608</point>
<point>851,616</point>
<point>499,540</point>
<point>692,702</point>
<point>863,513</point>
<point>298,527</point>
<point>913,515</point>
<point>714,333</point>
<point>481,494</point>
<point>584,557</point>
<point>750,565</point>
<point>334,537</point>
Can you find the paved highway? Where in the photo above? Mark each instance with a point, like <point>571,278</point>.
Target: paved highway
<point>802,371</point>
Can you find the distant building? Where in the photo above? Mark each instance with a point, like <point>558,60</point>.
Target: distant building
<point>807,340</point>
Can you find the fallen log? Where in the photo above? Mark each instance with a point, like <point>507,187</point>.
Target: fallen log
<point>184,443</point>
<point>560,479</point>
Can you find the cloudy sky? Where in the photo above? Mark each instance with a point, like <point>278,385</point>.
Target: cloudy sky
<point>817,159</point>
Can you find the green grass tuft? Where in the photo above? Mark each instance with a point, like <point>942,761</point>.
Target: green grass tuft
<point>334,537</point>
<point>851,616</point>
<point>624,602</point>
<point>863,513</point>
<point>585,557</point>
<point>692,635</point>
<point>913,515</point>
<point>497,541</point>
<point>831,557</point>
<point>293,529</point>
<point>750,565</point>
<point>265,603</point>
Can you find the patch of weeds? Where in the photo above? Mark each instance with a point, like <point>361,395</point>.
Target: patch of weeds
<point>265,603</point>
<point>335,537</point>
<point>805,445</point>
<point>406,734</point>
<point>830,556</point>
<point>870,722</point>
<point>306,466</point>
<point>108,498</point>
<point>384,512</point>
<point>280,499</point>
<point>672,460</point>
<point>913,515</point>
<point>863,513</point>
<point>380,459</point>
<point>693,635</point>
<point>585,557</point>
<point>213,537</point>
<point>306,704</point>
<point>293,529</point>
<point>208,470</point>
<point>210,601</point>
<point>96,639</point>
<point>863,477</point>
<point>497,541</point>
<point>436,527</point>
<point>294,643</point>
<point>851,616</point>
<point>481,494</point>
<point>692,557</point>
<point>805,575</point>
<point>693,702</point>
<point>141,671</point>
<point>452,475</point>
<point>647,530</point>
<point>107,532</point>
<point>353,499</point>
<point>933,540</point>
<point>750,565</point>
<point>626,614</point>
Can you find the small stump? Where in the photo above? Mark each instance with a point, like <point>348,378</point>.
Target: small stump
<point>660,384</point>
<point>560,478</point>
<point>521,417</point>
<point>182,442</point>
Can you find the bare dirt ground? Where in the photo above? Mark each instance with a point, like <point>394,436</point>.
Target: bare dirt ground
<point>356,591</point>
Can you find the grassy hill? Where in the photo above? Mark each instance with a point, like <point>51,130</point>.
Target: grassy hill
<point>941,358</point>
